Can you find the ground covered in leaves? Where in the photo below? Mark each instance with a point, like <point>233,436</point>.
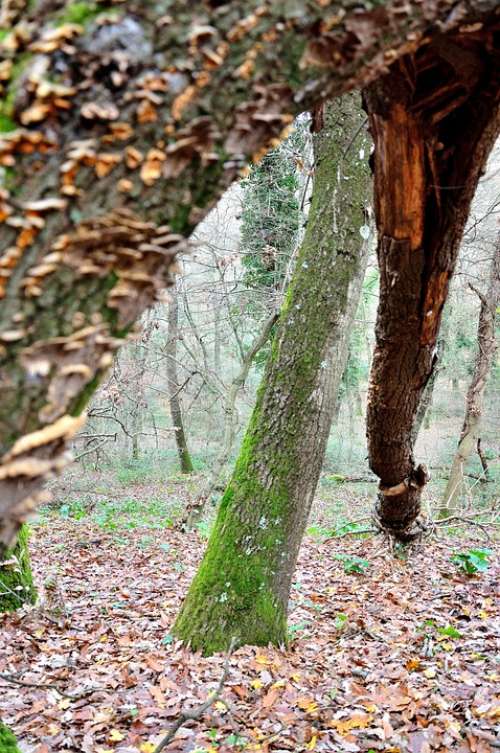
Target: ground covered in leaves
<point>399,657</point>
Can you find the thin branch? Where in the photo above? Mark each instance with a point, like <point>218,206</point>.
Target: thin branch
<point>196,712</point>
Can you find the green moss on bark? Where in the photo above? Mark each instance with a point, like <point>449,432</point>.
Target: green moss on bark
<point>16,579</point>
<point>8,742</point>
<point>242,587</point>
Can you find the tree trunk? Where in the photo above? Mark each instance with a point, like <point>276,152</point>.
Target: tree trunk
<point>173,385</point>
<point>195,509</point>
<point>114,153</point>
<point>486,341</point>
<point>422,416</point>
<point>434,118</point>
<point>242,587</point>
<point>16,580</point>
<point>8,742</point>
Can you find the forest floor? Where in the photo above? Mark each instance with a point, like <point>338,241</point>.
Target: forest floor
<point>398,657</point>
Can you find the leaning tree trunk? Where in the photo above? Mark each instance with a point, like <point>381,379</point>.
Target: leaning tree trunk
<point>434,118</point>
<point>242,587</point>
<point>173,386</point>
<point>486,342</point>
<point>114,153</point>
<point>16,580</point>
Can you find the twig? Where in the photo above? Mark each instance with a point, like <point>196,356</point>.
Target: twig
<point>354,533</point>
<point>467,521</point>
<point>197,711</point>
<point>16,681</point>
<point>7,677</point>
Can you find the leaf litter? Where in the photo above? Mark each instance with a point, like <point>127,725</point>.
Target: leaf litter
<point>402,657</point>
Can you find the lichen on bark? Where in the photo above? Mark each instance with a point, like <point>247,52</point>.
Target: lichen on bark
<point>16,579</point>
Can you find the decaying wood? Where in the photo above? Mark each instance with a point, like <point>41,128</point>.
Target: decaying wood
<point>434,119</point>
<point>118,134</point>
<point>486,349</point>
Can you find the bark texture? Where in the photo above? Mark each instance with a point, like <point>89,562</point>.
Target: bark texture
<point>119,132</point>
<point>173,386</point>
<point>242,587</point>
<point>434,118</point>
<point>486,349</point>
<point>16,580</point>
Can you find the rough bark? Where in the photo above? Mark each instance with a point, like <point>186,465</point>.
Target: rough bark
<point>16,580</point>
<point>119,133</point>
<point>486,342</point>
<point>422,416</point>
<point>242,588</point>
<point>173,386</point>
<point>434,118</point>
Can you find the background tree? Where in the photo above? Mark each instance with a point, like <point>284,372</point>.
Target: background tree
<point>174,387</point>
<point>486,349</point>
<point>242,587</point>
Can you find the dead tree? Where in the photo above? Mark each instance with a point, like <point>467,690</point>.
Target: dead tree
<point>434,118</point>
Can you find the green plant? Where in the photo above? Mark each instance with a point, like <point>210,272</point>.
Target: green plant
<point>296,628</point>
<point>75,509</point>
<point>237,740</point>
<point>353,564</point>
<point>341,621</point>
<point>449,631</point>
<point>349,527</point>
<point>473,561</point>
<point>204,528</point>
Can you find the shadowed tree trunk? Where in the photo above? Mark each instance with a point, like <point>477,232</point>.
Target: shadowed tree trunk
<point>434,118</point>
<point>173,385</point>
<point>116,150</point>
<point>16,580</point>
<point>486,348</point>
<point>242,587</point>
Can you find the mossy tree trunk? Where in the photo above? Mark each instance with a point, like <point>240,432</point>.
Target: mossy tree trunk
<point>8,742</point>
<point>242,587</point>
<point>114,153</point>
<point>16,580</point>
<point>434,118</point>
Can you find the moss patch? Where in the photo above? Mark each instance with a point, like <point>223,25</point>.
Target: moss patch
<point>16,580</point>
<point>8,742</point>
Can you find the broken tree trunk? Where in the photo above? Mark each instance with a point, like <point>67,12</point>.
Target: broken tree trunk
<point>118,135</point>
<point>434,118</point>
<point>486,348</point>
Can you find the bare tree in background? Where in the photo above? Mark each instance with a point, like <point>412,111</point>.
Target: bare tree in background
<point>486,349</point>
